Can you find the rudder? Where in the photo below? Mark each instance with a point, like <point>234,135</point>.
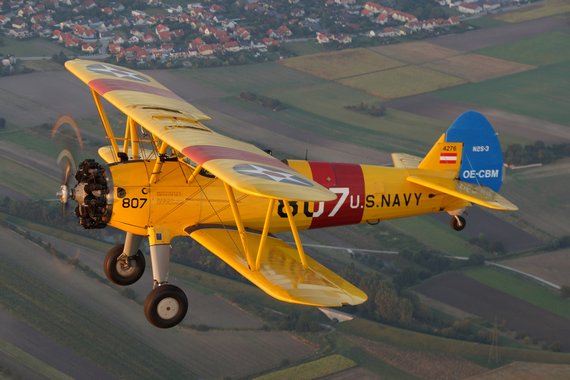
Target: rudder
<point>482,158</point>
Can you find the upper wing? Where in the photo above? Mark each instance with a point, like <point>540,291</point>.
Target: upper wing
<point>176,122</point>
<point>281,273</point>
<point>480,195</point>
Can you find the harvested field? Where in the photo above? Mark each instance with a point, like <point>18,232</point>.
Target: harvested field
<point>526,371</point>
<point>476,68</point>
<point>342,64</point>
<point>552,266</point>
<point>425,365</point>
<point>402,81</point>
<point>416,52</point>
<point>467,294</point>
<point>548,8</point>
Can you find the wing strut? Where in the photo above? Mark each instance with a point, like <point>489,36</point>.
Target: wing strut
<point>239,224</point>
<point>295,233</point>
<point>264,233</point>
<point>159,161</point>
<point>105,122</point>
<point>132,127</point>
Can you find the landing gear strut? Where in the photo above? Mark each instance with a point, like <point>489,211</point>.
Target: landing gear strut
<point>166,305</point>
<point>458,222</point>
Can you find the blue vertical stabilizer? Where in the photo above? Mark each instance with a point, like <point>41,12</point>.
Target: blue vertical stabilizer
<point>482,158</point>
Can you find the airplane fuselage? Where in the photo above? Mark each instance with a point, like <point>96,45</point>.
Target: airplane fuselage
<point>365,193</point>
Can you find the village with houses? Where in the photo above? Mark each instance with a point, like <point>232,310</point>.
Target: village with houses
<point>155,33</point>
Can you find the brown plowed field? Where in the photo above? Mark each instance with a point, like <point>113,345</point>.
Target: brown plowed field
<point>552,266</point>
<point>425,365</point>
<point>467,294</point>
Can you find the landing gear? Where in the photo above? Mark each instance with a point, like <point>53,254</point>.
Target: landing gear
<point>122,269</point>
<point>165,306</point>
<point>458,222</point>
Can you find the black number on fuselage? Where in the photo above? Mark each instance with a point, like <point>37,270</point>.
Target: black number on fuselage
<point>134,202</point>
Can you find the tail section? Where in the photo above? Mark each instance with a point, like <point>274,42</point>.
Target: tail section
<point>471,148</point>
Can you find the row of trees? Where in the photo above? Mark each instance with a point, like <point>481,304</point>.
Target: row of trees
<point>264,101</point>
<point>375,109</point>
<point>535,153</point>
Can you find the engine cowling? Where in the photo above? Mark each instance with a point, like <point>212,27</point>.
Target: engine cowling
<point>93,194</point>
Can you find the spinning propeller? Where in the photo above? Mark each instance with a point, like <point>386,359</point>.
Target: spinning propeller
<point>65,159</point>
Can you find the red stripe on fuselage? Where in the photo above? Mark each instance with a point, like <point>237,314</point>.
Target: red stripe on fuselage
<point>204,153</point>
<point>104,85</point>
<point>347,181</point>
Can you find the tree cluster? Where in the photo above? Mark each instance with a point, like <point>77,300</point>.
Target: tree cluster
<point>535,153</point>
<point>494,247</point>
<point>60,57</point>
<point>264,101</point>
<point>375,109</point>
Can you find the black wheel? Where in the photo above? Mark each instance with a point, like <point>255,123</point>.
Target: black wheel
<point>458,223</point>
<point>166,306</point>
<point>122,269</point>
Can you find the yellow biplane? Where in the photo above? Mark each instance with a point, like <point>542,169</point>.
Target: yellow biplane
<point>169,175</point>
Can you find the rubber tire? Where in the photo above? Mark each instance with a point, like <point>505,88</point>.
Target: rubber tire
<point>456,225</point>
<point>167,293</point>
<point>114,275</point>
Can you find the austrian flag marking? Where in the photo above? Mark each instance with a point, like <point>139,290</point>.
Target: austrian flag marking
<point>447,158</point>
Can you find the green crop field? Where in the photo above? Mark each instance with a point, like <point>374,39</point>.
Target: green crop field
<point>541,93</point>
<point>342,64</point>
<point>542,195</point>
<point>412,340</point>
<point>402,81</point>
<point>549,8</point>
<point>544,49</point>
<point>312,370</point>
<point>435,235</point>
<point>528,291</point>
<point>35,47</point>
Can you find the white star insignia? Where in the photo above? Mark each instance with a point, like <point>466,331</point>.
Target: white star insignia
<point>116,72</point>
<point>271,174</point>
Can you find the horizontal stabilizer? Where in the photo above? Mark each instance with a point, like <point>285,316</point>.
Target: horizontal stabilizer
<point>281,274</point>
<point>477,194</point>
<point>405,161</point>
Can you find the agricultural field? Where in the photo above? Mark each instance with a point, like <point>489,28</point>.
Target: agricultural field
<point>402,81</point>
<point>531,292</point>
<point>526,371</point>
<point>312,370</point>
<point>416,52</point>
<point>551,266</point>
<point>490,296</point>
<point>546,186</point>
<point>35,47</point>
<point>407,340</point>
<point>549,8</point>
<point>71,307</point>
<point>545,49</point>
<point>540,93</point>
<point>476,67</point>
<point>342,64</point>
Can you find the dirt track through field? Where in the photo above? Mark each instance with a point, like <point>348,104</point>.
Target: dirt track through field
<point>467,294</point>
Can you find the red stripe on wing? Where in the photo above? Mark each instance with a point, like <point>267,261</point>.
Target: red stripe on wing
<point>104,85</point>
<point>204,153</point>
